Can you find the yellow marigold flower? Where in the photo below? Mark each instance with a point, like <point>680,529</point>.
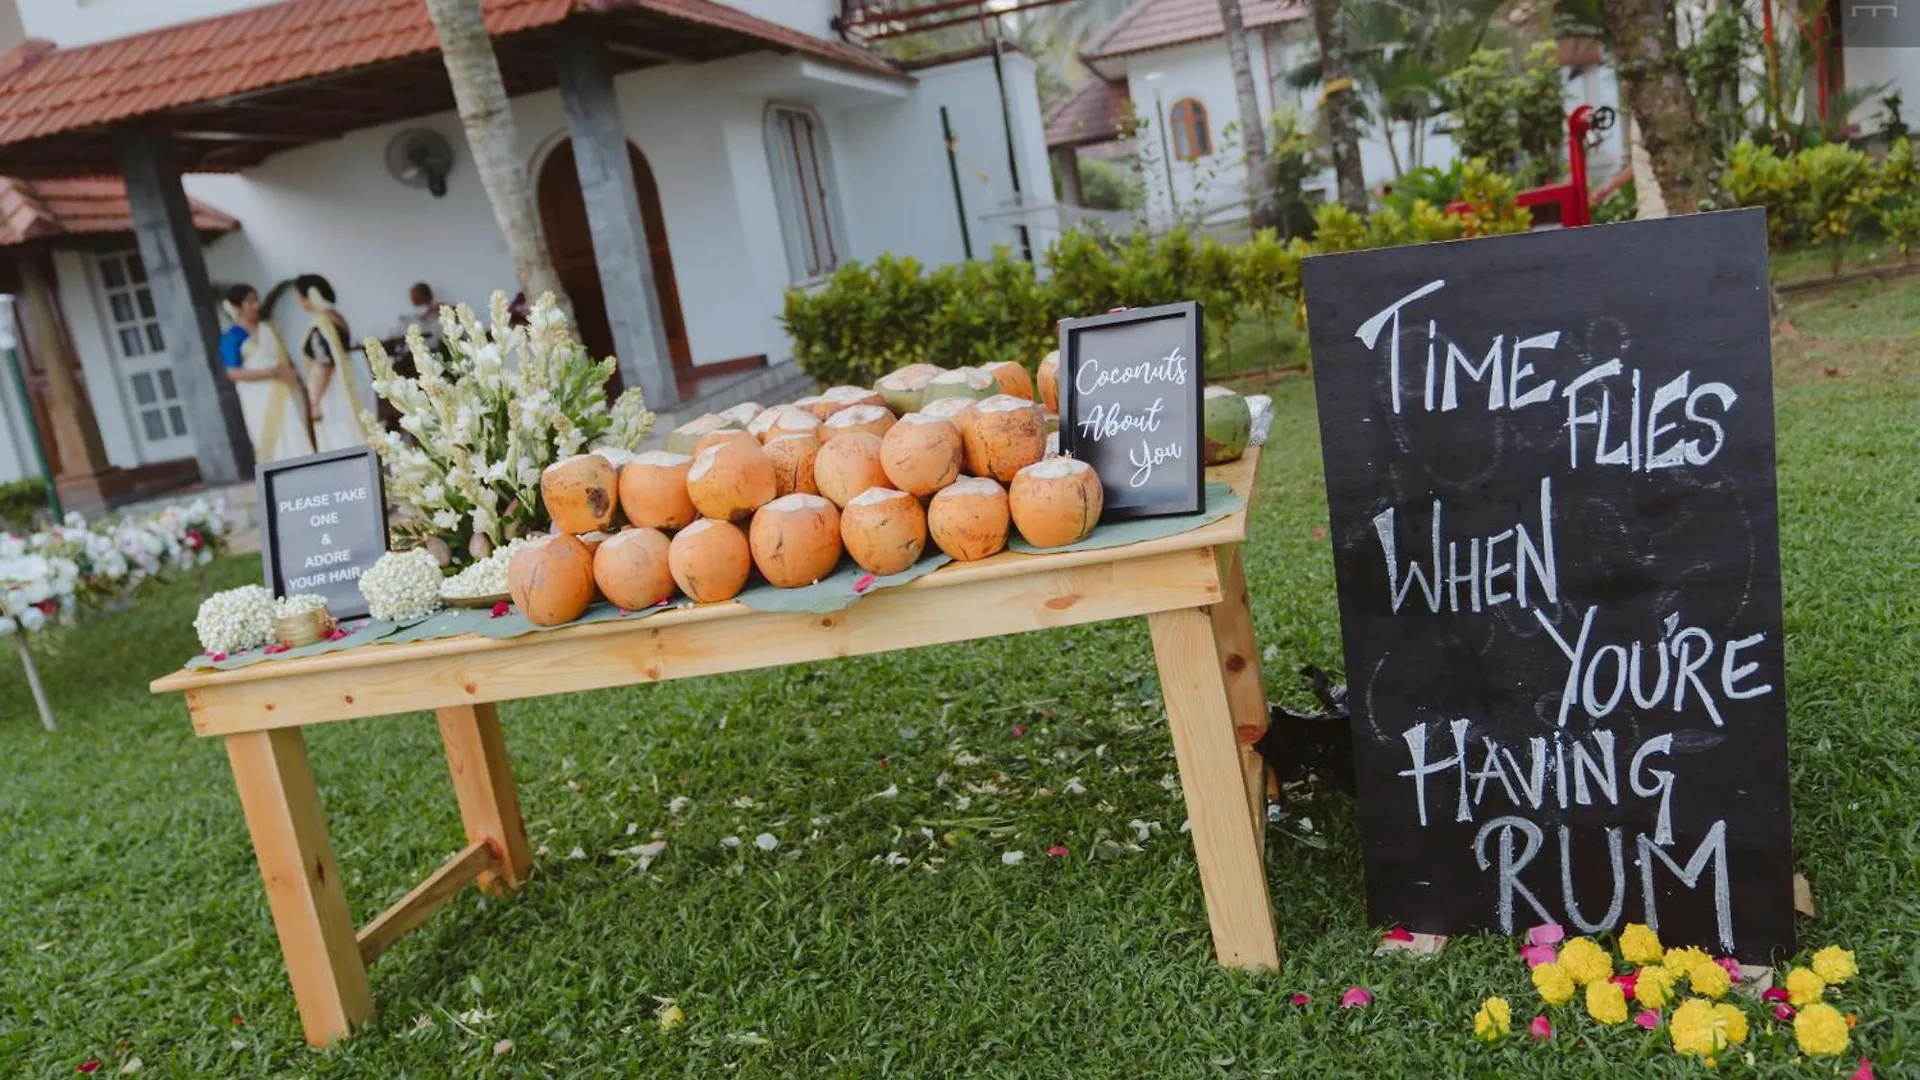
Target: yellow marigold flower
<point>1710,979</point>
<point>1640,945</point>
<point>1585,961</point>
<point>1607,1003</point>
<point>1820,1030</point>
<point>1653,987</point>
<point>1834,964</point>
<point>1732,1021</point>
<point>1682,961</point>
<point>1692,1028</point>
<point>1554,984</point>
<point>1804,987</point>
<point>1494,1020</point>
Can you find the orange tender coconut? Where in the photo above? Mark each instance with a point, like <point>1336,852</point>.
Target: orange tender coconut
<point>1050,381</point>
<point>1003,435</point>
<point>956,409</point>
<point>1012,377</point>
<point>792,457</point>
<point>710,560</point>
<point>922,453</point>
<point>795,540</point>
<point>1056,501</point>
<point>885,530</point>
<point>631,569</point>
<point>731,480</point>
<point>783,420</point>
<point>653,491</point>
<point>833,399</point>
<point>847,466</point>
<point>873,419</point>
<point>968,518</point>
<point>551,581</point>
<point>743,413</point>
<point>713,437</point>
<point>581,493</point>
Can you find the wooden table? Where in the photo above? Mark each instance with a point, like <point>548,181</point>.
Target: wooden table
<point>1191,588</point>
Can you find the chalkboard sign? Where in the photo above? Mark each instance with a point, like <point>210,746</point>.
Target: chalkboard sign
<point>324,523</point>
<point>1550,473</point>
<point>1130,401</point>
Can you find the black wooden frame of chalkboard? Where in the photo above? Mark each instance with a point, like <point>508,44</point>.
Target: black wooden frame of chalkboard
<point>263,502</point>
<point>1193,496</point>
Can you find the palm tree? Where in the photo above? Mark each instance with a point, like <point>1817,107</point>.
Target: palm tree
<point>1261,207</point>
<point>1342,136</point>
<point>487,118</point>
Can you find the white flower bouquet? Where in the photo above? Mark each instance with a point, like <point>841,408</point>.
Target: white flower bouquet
<point>477,428</point>
<point>402,585</point>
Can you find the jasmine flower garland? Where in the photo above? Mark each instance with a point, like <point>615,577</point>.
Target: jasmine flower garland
<point>235,620</point>
<point>402,585</point>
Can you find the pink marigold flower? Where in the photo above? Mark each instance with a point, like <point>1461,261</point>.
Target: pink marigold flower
<point>1783,1012</point>
<point>1864,1072</point>
<point>1301,1000</point>
<point>1647,1018</point>
<point>1059,851</point>
<point>865,583</point>
<point>1356,997</point>
<point>1398,933</point>
<point>1541,1028</point>
<point>501,608</point>
<point>1546,934</point>
<point>1773,993</point>
<point>1535,955</point>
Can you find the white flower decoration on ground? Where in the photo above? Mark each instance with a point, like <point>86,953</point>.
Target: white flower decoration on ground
<point>402,585</point>
<point>235,620</point>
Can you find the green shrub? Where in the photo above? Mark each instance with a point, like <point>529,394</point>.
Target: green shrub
<point>1441,188</point>
<point>1489,196</point>
<point>1510,115</point>
<point>1836,192</point>
<point>21,501</point>
<point>988,310</point>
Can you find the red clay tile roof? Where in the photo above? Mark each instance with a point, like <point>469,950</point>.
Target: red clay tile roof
<point>1157,24</point>
<point>1096,112</point>
<point>33,210</point>
<point>47,92</point>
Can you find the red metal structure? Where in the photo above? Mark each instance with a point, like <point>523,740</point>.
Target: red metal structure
<point>1569,198</point>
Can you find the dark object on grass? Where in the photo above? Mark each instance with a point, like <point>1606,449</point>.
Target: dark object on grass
<point>1303,745</point>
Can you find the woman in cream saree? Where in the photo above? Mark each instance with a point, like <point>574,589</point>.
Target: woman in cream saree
<point>337,388</point>
<point>269,387</point>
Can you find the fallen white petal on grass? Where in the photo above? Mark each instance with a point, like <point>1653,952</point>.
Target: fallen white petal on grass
<point>964,759</point>
<point>503,1048</point>
<point>1170,782</point>
<point>766,841</point>
<point>892,792</point>
<point>474,1017</point>
<point>577,853</point>
<point>744,802</point>
<point>421,1023</point>
<point>1074,787</point>
<point>962,803</point>
<point>132,1066</point>
<point>1186,826</point>
<point>1013,858</point>
<point>238,1044</point>
<point>632,827</point>
<point>729,841</point>
<point>678,805</point>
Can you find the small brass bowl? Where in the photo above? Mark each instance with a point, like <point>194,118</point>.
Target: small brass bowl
<point>298,630</point>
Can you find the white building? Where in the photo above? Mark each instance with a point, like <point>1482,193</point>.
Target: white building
<point>764,152</point>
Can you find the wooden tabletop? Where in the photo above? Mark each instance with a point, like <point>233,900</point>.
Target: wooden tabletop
<point>1008,592</point>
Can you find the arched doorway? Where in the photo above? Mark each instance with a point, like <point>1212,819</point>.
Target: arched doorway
<point>563,213</point>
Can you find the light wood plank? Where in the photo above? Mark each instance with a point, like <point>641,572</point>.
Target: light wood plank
<point>425,898</point>
<point>1246,692</point>
<point>310,914</point>
<point>483,784</point>
<point>381,680</point>
<point>1225,843</point>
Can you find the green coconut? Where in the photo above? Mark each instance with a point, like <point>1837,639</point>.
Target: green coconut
<point>1228,425</point>
<point>904,388</point>
<point>681,440</point>
<point>969,383</point>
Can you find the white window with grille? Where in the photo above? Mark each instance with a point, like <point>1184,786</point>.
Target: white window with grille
<point>803,186</point>
<point>140,355</point>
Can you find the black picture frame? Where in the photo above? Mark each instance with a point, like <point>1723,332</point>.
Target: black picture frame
<point>263,476</point>
<point>1191,497</point>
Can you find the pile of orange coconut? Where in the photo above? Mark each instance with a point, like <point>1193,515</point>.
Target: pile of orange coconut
<point>956,457</point>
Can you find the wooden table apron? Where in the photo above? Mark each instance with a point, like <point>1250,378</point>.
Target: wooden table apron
<point>1191,588</point>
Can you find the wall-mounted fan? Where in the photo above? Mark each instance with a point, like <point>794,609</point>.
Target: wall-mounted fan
<point>418,157</point>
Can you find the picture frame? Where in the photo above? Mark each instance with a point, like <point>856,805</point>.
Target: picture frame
<point>1182,324</point>
<point>265,476</point>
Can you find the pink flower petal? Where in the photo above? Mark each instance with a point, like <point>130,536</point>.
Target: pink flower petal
<point>1729,965</point>
<point>216,657</point>
<point>1546,934</point>
<point>1626,983</point>
<point>1647,1018</point>
<point>1773,993</point>
<point>1864,1072</point>
<point>276,648</point>
<point>1398,933</point>
<point>865,583</point>
<point>88,1066</point>
<point>1301,1000</point>
<point>1783,1012</point>
<point>1541,1028</point>
<point>1535,955</point>
<point>336,634</point>
<point>1059,851</point>
<point>1355,998</point>
<point>501,608</point>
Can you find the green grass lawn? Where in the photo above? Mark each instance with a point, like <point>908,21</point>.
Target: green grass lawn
<point>884,935</point>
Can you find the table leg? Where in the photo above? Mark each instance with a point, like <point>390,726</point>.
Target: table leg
<point>1246,693</point>
<point>303,882</point>
<point>1225,843</point>
<point>483,782</point>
